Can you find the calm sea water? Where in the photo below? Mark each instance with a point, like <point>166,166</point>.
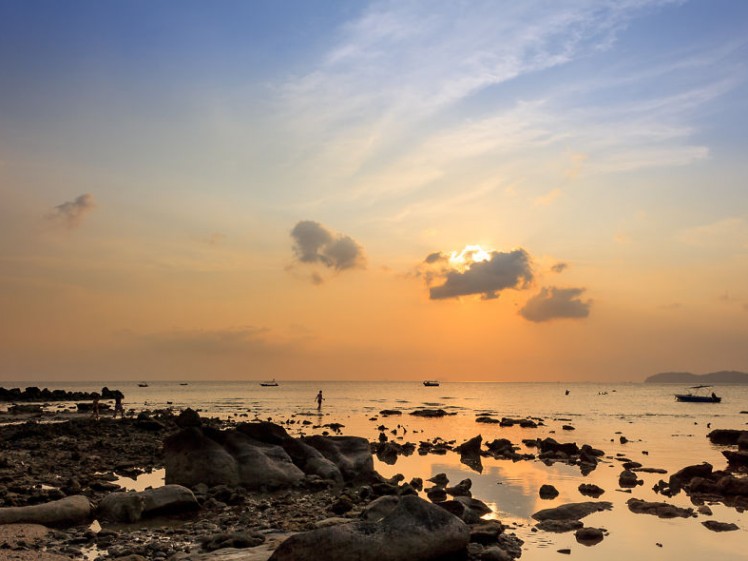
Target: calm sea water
<point>662,433</point>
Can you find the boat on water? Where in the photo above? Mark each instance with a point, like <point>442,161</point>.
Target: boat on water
<point>142,385</point>
<point>270,383</point>
<point>430,383</point>
<point>698,394</point>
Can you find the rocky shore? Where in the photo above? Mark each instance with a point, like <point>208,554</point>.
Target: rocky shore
<point>252,492</point>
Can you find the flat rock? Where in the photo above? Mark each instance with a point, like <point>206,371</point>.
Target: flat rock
<point>659,509</point>
<point>132,506</point>
<point>559,526</point>
<point>572,511</point>
<point>66,512</point>
<point>715,526</point>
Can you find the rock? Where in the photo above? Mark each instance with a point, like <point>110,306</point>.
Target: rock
<point>486,533</point>
<point>430,413</point>
<point>559,526</point>
<point>414,531</point>
<point>572,511</point>
<point>349,454</point>
<point>202,455</point>
<point>589,536</point>
<point>628,479</point>
<point>547,492</point>
<point>568,427</point>
<point>132,506</point>
<point>486,419</point>
<point>736,459</point>
<point>61,513</point>
<point>471,447</point>
<point>705,510</point>
<point>188,418</point>
<point>379,508</point>
<point>495,553</point>
<point>679,478</point>
<point>467,509</point>
<point>661,510</point>
<point>715,526</point>
<point>462,489</point>
<point>439,479</point>
<point>591,490</point>
<point>726,437</point>
<point>237,540</point>
<point>436,494</point>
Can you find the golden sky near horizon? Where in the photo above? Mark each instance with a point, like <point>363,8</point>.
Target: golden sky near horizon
<point>373,191</point>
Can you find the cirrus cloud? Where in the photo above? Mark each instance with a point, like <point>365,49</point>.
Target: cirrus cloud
<point>556,303</point>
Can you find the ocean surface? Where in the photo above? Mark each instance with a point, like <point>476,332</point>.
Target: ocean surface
<point>661,433</point>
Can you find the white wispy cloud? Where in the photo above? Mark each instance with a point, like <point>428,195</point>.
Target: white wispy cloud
<point>393,109</point>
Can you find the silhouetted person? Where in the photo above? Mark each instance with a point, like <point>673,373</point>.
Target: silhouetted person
<point>95,407</point>
<point>118,405</point>
<point>319,399</point>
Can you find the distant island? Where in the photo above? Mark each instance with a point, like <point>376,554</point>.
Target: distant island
<point>721,377</point>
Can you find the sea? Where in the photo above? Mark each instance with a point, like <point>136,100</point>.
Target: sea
<point>628,421</point>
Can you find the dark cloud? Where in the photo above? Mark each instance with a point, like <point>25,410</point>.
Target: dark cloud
<point>313,243</point>
<point>559,267</point>
<point>71,213</point>
<point>488,277</point>
<point>435,257</point>
<point>555,303</point>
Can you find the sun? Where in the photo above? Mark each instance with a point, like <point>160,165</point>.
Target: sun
<point>470,254</point>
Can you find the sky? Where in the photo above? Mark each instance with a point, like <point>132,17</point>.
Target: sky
<point>396,190</point>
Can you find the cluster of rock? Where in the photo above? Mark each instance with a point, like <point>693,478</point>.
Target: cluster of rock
<point>568,518</point>
<point>527,423</point>
<point>34,394</point>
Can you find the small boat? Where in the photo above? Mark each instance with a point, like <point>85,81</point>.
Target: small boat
<point>431,383</point>
<point>183,383</point>
<point>270,384</point>
<point>699,396</point>
<point>142,385</point>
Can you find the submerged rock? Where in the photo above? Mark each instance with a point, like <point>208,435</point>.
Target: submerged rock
<point>715,526</point>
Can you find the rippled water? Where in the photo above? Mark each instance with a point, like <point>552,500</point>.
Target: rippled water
<point>661,433</point>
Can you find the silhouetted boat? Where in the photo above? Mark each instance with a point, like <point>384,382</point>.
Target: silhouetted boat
<point>430,383</point>
<point>142,385</point>
<point>183,383</point>
<point>271,383</point>
<point>696,397</point>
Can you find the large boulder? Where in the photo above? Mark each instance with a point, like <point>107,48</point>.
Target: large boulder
<point>66,512</point>
<point>414,530</point>
<point>350,454</point>
<point>132,506</point>
<point>257,455</point>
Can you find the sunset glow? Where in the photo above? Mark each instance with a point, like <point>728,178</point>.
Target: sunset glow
<point>500,191</point>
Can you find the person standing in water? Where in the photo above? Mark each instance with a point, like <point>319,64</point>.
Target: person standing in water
<point>319,399</point>
<point>118,405</point>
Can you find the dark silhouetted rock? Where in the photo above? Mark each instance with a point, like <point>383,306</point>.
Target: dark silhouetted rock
<point>572,511</point>
<point>715,526</point>
<point>548,492</point>
<point>659,509</point>
<point>414,531</point>
<point>589,536</point>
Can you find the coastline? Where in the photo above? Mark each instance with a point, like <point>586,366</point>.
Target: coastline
<point>123,448</point>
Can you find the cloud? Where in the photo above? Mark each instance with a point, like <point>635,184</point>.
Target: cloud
<point>71,213</point>
<point>475,271</point>
<point>555,303</point>
<point>315,244</point>
<point>559,267</point>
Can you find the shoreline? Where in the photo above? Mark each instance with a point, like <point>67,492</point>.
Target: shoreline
<point>134,445</point>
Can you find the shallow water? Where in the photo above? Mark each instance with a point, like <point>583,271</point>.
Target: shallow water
<point>662,433</point>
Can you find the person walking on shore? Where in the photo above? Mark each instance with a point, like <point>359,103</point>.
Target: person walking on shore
<point>319,399</point>
<point>118,405</point>
<point>95,407</point>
